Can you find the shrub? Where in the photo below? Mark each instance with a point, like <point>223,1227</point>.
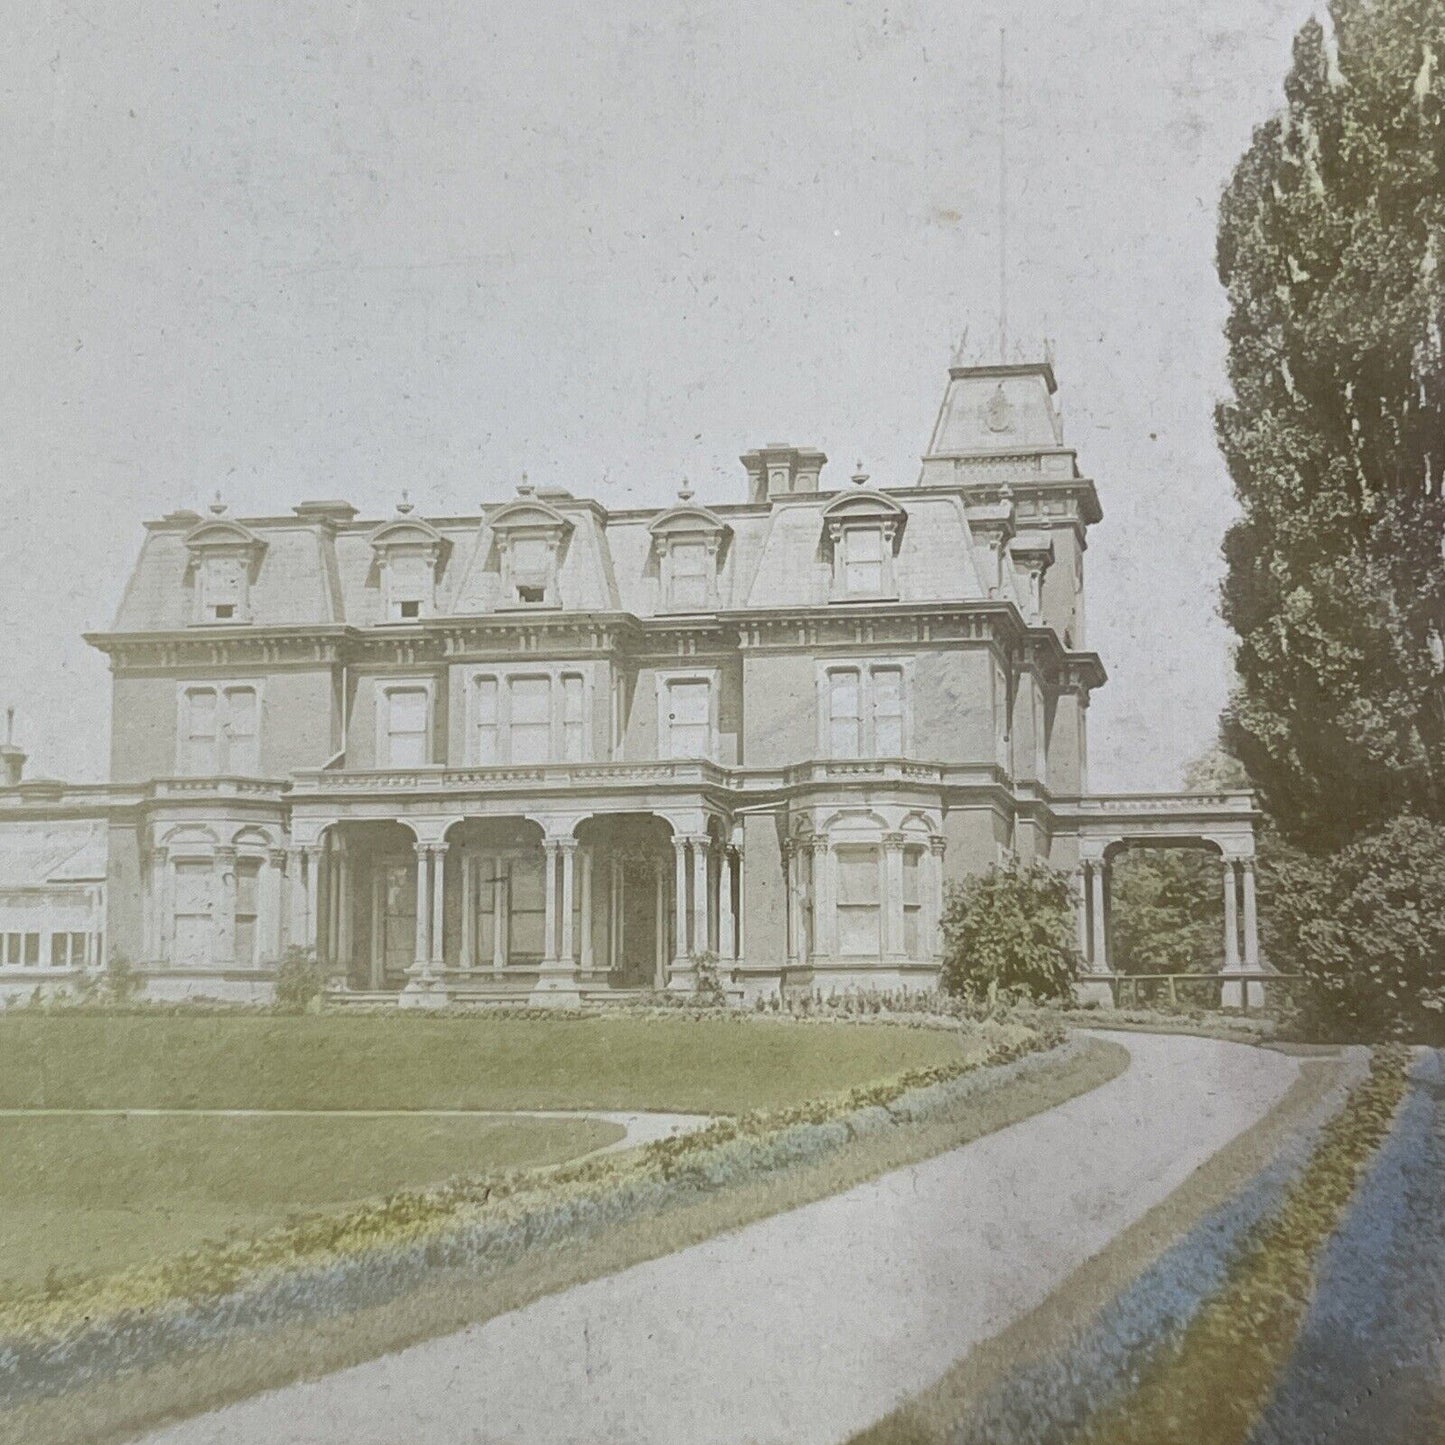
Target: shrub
<point>121,983</point>
<point>1010,930</point>
<point>1366,928</point>
<point>299,980</point>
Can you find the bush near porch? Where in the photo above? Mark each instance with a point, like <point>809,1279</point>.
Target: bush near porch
<point>1011,930</point>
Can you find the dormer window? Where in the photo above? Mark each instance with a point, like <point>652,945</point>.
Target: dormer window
<point>863,534</point>
<point>224,559</point>
<point>531,538</point>
<point>408,552</point>
<point>689,543</point>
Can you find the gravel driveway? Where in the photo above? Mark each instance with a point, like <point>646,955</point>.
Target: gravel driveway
<point>809,1325</point>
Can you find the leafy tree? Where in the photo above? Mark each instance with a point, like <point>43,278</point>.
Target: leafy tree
<point>1367,929</point>
<point>1167,911</point>
<point>1011,929</point>
<point>1332,248</point>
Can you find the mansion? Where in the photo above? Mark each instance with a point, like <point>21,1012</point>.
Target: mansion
<point>552,751</point>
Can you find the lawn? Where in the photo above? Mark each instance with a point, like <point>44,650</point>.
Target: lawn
<point>476,1062</point>
<point>89,1195</point>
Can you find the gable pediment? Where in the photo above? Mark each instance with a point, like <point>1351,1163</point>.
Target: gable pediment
<point>528,515</point>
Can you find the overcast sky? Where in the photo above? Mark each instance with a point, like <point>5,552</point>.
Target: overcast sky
<point>333,250</point>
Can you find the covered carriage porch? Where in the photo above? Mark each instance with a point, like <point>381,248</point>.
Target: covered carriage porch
<point>524,906</point>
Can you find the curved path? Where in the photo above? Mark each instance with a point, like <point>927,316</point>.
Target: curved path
<point>809,1325</point>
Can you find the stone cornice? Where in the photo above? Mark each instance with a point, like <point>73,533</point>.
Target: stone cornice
<point>438,641</point>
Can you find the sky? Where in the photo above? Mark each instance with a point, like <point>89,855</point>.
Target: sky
<point>309,250</point>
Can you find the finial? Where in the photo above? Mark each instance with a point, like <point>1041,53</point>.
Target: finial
<point>218,507</point>
<point>9,726</point>
<point>859,475</point>
<point>524,487</point>
<point>960,352</point>
<point>685,492</point>
<point>404,507</point>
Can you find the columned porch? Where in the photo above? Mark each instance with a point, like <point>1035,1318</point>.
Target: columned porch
<point>551,909</point>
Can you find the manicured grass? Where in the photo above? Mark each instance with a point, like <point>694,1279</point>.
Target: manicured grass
<point>90,1195</point>
<point>123,1406</point>
<point>476,1062</point>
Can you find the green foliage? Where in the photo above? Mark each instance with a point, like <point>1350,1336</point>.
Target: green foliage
<point>1331,238</point>
<point>122,984</point>
<point>299,981</point>
<point>1011,930</point>
<point>1167,912</point>
<point>1367,929</point>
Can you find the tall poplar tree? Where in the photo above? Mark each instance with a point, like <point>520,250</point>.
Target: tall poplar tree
<point>1332,248</point>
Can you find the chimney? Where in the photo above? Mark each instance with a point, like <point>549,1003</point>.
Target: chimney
<point>12,759</point>
<point>778,470</point>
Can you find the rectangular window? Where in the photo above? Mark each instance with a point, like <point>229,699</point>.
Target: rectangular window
<point>528,891</point>
<point>240,730</point>
<point>913,902</point>
<point>573,718</point>
<point>531,560</point>
<point>67,950</point>
<point>689,718</point>
<point>408,583</point>
<point>858,911</point>
<point>222,588</point>
<point>863,712</point>
<point>248,890</point>
<point>484,711</point>
<point>408,712</point>
<point>220,731</point>
<point>194,881</point>
<point>887,711</point>
<point>201,742</point>
<point>863,561</point>
<point>530,732</point>
<point>845,713</point>
<point>689,576</point>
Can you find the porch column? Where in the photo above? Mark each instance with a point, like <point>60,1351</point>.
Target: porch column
<point>344,930</point>
<point>1081,878</point>
<point>296,896</point>
<point>726,927</point>
<point>311,893</point>
<point>501,919</point>
<point>1100,955</point>
<point>893,932</point>
<point>659,975</point>
<point>1251,917</point>
<point>273,940</point>
<point>423,905</point>
<point>614,911</point>
<point>376,975</point>
<point>549,918</point>
<point>679,848</point>
<point>740,868</point>
<point>224,920</point>
<point>699,894</point>
<point>568,847</point>
<point>793,856</point>
<point>825,899</point>
<point>1231,916</point>
<point>155,914</point>
<point>937,847</point>
<point>585,890</point>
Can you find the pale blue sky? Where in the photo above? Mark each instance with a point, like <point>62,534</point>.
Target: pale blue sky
<point>310,250</point>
